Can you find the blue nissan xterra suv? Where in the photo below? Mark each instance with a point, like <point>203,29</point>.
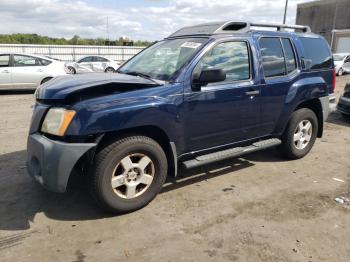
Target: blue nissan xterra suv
<point>205,93</point>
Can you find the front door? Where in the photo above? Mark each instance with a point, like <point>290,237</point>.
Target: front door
<point>5,72</point>
<point>223,112</point>
<point>84,65</point>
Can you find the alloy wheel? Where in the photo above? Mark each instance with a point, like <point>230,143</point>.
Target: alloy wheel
<point>132,176</point>
<point>302,134</point>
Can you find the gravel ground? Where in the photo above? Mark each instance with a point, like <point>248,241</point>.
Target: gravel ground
<point>256,208</point>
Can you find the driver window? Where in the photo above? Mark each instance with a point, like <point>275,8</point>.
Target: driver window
<point>232,57</point>
<point>85,59</point>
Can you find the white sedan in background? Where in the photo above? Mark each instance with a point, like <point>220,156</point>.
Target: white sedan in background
<point>23,71</point>
<point>91,64</point>
<point>342,63</point>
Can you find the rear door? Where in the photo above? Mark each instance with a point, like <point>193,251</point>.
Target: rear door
<point>5,72</point>
<point>27,71</point>
<point>223,112</point>
<point>279,68</point>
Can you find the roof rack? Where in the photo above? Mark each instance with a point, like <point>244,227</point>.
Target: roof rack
<point>303,28</point>
<point>230,27</point>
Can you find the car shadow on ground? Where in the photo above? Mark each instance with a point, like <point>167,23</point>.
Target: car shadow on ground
<point>338,119</point>
<point>22,198</point>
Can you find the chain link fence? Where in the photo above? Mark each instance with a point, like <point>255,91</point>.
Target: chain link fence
<point>73,52</point>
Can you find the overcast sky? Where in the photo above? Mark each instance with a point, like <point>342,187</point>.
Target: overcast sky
<point>136,19</point>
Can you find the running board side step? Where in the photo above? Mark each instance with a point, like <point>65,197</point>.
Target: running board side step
<point>232,152</point>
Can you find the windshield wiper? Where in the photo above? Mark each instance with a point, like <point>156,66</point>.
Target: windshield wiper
<point>134,73</point>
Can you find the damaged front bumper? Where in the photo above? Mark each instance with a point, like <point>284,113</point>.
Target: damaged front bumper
<point>51,162</point>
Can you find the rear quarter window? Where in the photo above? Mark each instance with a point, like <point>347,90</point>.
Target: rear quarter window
<point>44,62</point>
<point>317,51</point>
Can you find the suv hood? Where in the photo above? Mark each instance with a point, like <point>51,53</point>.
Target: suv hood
<point>94,84</point>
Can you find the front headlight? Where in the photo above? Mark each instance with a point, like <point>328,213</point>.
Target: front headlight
<point>57,121</point>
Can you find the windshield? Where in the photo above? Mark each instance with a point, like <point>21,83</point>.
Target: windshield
<point>338,57</point>
<point>162,60</point>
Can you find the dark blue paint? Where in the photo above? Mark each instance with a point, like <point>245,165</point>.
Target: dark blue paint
<point>218,115</point>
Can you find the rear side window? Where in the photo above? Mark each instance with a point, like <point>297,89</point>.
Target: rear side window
<point>317,51</point>
<point>272,56</point>
<point>44,62</point>
<point>4,60</point>
<point>289,55</point>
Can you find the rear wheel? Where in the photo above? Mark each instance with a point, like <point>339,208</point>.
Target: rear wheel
<point>128,174</point>
<point>45,80</point>
<point>300,134</point>
<point>340,72</point>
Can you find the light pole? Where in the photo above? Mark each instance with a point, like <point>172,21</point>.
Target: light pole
<point>334,23</point>
<point>285,12</point>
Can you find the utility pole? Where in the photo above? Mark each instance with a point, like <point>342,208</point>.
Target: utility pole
<point>334,23</point>
<point>107,29</point>
<point>285,12</point>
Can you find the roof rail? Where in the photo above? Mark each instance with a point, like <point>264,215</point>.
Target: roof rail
<point>303,28</point>
<point>230,27</point>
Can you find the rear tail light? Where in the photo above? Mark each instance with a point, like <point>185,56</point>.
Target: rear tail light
<point>334,80</point>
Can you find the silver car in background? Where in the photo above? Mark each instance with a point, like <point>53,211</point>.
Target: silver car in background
<point>23,71</point>
<point>342,63</point>
<point>91,64</point>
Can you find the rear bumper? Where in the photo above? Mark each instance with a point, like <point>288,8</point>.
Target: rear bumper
<point>332,103</point>
<point>344,105</point>
<point>51,162</point>
<point>328,105</point>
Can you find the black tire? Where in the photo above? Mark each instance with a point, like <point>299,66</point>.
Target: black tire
<point>346,116</point>
<point>45,80</point>
<point>109,70</point>
<point>71,70</point>
<point>105,163</point>
<point>340,72</point>
<point>288,147</point>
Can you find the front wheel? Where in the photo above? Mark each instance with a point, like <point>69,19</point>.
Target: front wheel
<point>128,174</point>
<point>300,134</point>
<point>340,72</point>
<point>109,70</point>
<point>71,70</point>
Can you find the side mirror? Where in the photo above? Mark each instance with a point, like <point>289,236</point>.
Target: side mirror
<point>208,76</point>
<point>306,63</point>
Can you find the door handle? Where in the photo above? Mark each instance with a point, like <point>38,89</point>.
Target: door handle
<point>39,70</point>
<point>252,93</point>
<point>5,71</point>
